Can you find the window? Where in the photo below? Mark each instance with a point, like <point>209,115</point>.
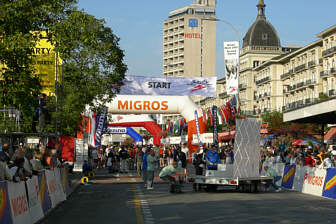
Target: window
<point>264,36</point>
<point>255,64</point>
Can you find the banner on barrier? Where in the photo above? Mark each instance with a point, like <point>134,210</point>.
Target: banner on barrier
<point>53,188</point>
<point>65,183</point>
<point>329,187</point>
<point>5,210</point>
<point>60,190</point>
<point>288,176</point>
<point>18,201</point>
<point>299,178</point>
<point>44,195</point>
<point>144,85</point>
<point>313,181</point>
<point>34,201</point>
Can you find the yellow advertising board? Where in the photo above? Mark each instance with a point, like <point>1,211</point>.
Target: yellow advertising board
<point>47,65</point>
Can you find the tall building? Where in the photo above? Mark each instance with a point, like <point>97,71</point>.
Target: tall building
<point>189,41</point>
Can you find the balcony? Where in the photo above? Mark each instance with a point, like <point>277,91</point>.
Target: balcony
<point>328,52</point>
<point>300,68</point>
<point>324,74</point>
<point>242,86</point>
<point>263,80</point>
<point>299,85</point>
<point>299,104</point>
<point>223,95</point>
<point>285,75</point>
<point>311,64</point>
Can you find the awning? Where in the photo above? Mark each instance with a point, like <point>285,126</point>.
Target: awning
<point>331,135</point>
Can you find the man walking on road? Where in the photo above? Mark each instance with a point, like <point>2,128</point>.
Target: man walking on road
<point>150,169</point>
<point>123,154</point>
<point>144,167</point>
<point>138,160</point>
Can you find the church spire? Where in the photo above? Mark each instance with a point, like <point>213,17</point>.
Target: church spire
<point>261,8</point>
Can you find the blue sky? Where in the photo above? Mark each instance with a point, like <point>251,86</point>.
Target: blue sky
<point>138,24</point>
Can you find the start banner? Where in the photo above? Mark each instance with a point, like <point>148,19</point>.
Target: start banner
<point>173,86</point>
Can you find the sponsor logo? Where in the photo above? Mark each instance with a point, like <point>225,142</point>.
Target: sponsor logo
<point>193,23</point>
<point>289,174</point>
<point>198,85</point>
<point>19,205</point>
<point>117,130</point>
<point>330,184</point>
<point>119,118</point>
<point>313,180</point>
<point>142,105</point>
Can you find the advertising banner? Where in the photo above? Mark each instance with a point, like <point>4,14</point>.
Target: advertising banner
<point>313,181</point>
<point>61,196</point>
<point>18,201</point>
<point>299,178</point>
<point>144,85</point>
<point>64,180</point>
<point>44,195</point>
<point>198,129</point>
<point>231,57</point>
<point>116,130</point>
<point>288,176</point>
<point>214,121</point>
<point>101,124</point>
<point>5,211</point>
<point>34,201</point>
<point>54,188</point>
<point>329,187</point>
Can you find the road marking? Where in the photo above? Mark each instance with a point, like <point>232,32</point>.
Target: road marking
<point>146,211</point>
<point>138,213</point>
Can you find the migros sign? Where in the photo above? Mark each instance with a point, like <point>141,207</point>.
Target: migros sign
<point>144,105</point>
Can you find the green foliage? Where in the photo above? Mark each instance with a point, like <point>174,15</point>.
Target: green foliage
<point>323,96</point>
<point>274,120</point>
<point>92,62</point>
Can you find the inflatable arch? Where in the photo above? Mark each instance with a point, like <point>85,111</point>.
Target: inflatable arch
<point>144,121</point>
<point>125,130</point>
<point>143,104</point>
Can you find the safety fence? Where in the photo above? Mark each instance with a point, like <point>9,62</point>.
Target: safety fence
<point>308,180</point>
<point>29,201</point>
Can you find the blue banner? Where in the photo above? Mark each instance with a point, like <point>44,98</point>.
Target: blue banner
<point>329,187</point>
<point>5,211</point>
<point>288,176</point>
<point>214,121</point>
<point>198,130</point>
<point>101,124</point>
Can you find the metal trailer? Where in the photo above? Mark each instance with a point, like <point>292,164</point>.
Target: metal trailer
<point>223,178</point>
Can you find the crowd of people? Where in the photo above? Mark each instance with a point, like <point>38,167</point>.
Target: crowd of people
<point>26,162</point>
<point>280,150</point>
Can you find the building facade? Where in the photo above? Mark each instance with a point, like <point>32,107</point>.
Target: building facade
<point>189,41</point>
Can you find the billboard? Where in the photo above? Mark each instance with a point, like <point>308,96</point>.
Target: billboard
<point>231,57</point>
<point>173,86</point>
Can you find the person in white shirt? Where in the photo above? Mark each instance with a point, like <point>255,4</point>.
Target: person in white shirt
<point>185,150</point>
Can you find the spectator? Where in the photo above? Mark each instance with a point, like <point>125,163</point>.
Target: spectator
<point>36,162</point>
<point>138,160</point>
<point>18,172</point>
<point>4,154</point>
<point>86,168</point>
<point>123,155</point>
<point>4,172</point>
<point>144,166</point>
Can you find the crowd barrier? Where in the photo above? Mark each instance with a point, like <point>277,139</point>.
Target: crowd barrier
<point>308,180</point>
<point>29,201</point>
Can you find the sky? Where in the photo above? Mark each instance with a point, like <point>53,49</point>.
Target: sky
<point>138,24</point>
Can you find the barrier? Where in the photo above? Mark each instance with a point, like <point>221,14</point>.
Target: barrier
<point>329,187</point>
<point>18,202</point>
<point>34,201</point>
<point>5,210</point>
<point>29,201</point>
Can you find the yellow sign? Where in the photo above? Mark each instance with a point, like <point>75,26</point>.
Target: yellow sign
<point>47,65</point>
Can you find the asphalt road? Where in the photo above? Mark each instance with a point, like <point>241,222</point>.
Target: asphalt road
<point>110,202</point>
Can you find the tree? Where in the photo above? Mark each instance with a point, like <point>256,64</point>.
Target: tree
<point>93,67</point>
<point>18,18</point>
<point>92,62</point>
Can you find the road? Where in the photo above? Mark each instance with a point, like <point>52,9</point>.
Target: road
<point>122,200</point>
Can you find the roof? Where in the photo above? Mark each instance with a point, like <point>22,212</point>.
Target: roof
<point>261,32</point>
